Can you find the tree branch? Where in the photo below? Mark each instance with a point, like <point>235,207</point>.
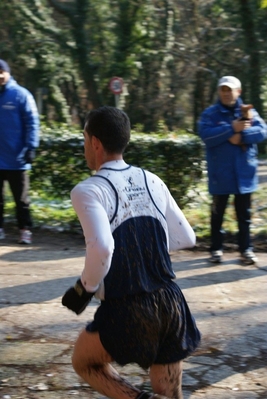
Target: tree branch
<point>66,10</point>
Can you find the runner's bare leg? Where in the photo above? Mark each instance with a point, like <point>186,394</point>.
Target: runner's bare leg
<point>91,362</point>
<point>166,379</point>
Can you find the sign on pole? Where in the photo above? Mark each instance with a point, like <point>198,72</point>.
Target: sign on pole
<point>116,86</point>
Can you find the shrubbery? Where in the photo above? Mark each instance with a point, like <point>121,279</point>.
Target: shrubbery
<point>60,163</point>
<point>177,160</point>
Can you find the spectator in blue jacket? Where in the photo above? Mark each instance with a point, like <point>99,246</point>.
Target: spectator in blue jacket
<point>231,149</point>
<point>19,137</point>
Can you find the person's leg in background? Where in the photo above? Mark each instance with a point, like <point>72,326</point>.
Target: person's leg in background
<point>19,185</point>
<point>243,213</point>
<point>218,206</point>
<point>2,233</point>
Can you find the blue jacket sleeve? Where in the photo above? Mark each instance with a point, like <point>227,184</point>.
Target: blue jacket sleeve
<point>257,132</point>
<point>213,131</point>
<point>31,122</point>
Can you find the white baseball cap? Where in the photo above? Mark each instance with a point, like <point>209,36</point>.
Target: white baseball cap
<point>230,81</point>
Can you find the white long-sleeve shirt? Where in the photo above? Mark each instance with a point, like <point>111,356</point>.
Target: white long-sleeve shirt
<point>130,222</point>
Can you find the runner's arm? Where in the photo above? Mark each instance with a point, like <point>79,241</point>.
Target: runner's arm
<point>181,234</point>
<point>98,237</point>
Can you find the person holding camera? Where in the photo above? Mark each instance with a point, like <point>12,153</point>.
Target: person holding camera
<point>232,158</point>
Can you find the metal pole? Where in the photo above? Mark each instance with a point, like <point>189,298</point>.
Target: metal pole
<point>117,100</point>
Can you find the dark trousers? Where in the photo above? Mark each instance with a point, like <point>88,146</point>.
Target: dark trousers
<point>242,204</point>
<point>19,185</point>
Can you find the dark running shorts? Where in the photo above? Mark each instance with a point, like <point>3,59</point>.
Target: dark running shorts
<point>151,328</point>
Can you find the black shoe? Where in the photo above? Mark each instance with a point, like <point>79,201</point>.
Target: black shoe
<point>149,395</point>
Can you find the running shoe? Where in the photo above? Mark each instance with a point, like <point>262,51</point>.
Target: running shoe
<point>2,234</point>
<point>216,256</point>
<point>248,257</point>
<point>25,237</point>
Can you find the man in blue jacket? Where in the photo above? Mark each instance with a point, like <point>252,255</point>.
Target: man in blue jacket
<point>231,149</point>
<point>19,137</point>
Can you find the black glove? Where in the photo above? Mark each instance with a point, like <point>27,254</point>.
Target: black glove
<point>29,156</point>
<point>77,298</point>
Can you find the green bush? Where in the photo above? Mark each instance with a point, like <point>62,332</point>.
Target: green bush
<point>60,163</point>
<point>177,160</point>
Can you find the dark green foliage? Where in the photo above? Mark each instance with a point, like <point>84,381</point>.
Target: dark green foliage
<point>170,55</point>
<point>60,162</point>
<point>177,161</point>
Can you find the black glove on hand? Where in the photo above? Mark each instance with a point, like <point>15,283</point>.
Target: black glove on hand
<point>29,156</point>
<point>77,298</point>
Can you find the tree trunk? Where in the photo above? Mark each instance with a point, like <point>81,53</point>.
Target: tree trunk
<point>248,21</point>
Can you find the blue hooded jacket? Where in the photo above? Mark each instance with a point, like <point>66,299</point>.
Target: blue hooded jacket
<point>232,169</point>
<point>19,126</point>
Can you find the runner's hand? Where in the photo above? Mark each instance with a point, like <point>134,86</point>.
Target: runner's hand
<point>77,298</point>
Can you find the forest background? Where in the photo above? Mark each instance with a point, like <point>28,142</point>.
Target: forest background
<point>169,53</point>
